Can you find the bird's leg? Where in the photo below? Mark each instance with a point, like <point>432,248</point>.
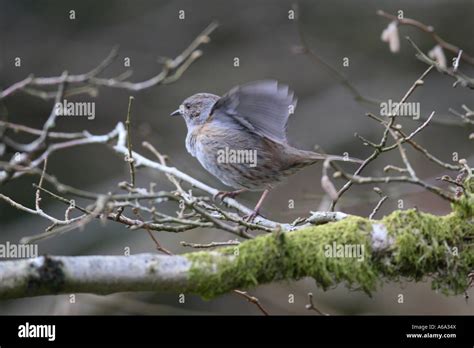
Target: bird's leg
<point>249,218</point>
<point>230,194</point>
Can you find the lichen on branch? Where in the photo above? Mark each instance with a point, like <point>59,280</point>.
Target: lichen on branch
<point>403,245</point>
<point>420,245</point>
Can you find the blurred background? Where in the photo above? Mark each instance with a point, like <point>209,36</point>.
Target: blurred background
<point>267,43</point>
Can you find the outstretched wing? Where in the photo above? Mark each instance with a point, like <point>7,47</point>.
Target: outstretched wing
<point>262,106</point>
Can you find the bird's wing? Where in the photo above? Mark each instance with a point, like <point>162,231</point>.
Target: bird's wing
<point>262,106</point>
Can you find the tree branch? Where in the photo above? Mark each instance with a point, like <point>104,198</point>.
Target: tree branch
<point>405,244</point>
<point>429,30</point>
<point>171,71</point>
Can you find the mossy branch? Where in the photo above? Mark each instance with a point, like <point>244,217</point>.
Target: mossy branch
<point>404,245</point>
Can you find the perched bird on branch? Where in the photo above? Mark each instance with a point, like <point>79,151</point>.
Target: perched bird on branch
<point>241,137</point>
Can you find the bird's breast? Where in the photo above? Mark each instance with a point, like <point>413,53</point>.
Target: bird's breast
<point>237,157</point>
<point>191,141</point>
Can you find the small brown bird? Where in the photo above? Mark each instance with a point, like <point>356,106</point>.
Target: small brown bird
<point>241,137</point>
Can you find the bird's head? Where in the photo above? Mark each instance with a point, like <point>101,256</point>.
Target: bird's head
<point>196,109</point>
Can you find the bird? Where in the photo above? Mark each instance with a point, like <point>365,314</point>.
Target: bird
<point>241,137</point>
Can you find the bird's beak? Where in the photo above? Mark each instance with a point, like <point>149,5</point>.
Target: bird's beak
<point>176,112</point>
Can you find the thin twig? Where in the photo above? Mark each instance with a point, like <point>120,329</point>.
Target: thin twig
<point>461,79</point>
<point>53,135</point>
<point>465,117</point>
<point>171,70</point>
<point>159,247</point>
<point>129,159</point>
<point>162,159</point>
<point>311,307</point>
<point>252,299</point>
<point>383,140</point>
<point>210,245</point>
<point>414,144</point>
<point>429,30</point>
<point>377,207</point>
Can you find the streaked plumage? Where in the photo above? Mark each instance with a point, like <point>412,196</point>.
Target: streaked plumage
<point>253,116</point>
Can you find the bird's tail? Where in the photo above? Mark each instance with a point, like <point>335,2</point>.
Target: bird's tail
<point>297,159</point>
<point>310,157</point>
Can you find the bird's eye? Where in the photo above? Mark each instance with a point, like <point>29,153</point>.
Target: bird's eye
<point>187,106</point>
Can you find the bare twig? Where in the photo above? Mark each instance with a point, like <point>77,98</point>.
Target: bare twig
<point>468,115</point>
<point>162,159</point>
<point>461,79</point>
<point>407,179</point>
<point>129,158</point>
<point>68,225</point>
<point>456,61</point>
<point>377,207</point>
<point>415,145</point>
<point>429,30</point>
<point>210,245</point>
<point>172,70</point>
<point>159,247</point>
<point>383,140</point>
<point>311,307</point>
<point>252,299</point>
<point>52,135</point>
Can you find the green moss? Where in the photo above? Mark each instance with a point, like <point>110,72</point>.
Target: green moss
<point>464,207</point>
<point>469,184</point>
<point>288,256</point>
<point>440,247</point>
<point>424,245</point>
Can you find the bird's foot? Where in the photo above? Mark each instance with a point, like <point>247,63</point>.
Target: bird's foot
<point>224,194</point>
<point>250,217</point>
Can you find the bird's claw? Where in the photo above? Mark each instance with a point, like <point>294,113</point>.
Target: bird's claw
<point>250,217</point>
<point>224,194</point>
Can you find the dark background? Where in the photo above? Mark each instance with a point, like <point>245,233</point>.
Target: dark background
<point>260,34</point>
